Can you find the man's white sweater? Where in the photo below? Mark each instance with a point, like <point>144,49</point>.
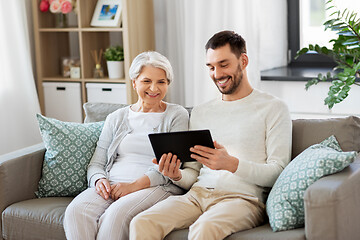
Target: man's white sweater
<point>257,131</point>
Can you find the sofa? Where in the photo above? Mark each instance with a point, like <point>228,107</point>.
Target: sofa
<point>331,204</point>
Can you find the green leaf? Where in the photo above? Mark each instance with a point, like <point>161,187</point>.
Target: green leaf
<point>353,17</point>
<point>357,66</point>
<point>301,52</point>
<point>337,83</point>
<point>344,11</point>
<point>311,82</point>
<point>346,33</point>
<point>334,89</point>
<point>346,88</point>
<point>342,78</point>
<point>328,75</point>
<point>341,96</point>
<point>324,50</point>
<point>347,15</point>
<point>329,101</point>
<point>350,80</point>
<point>330,22</point>
<point>334,13</point>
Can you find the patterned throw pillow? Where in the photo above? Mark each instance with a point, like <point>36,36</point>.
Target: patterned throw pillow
<point>69,148</point>
<point>285,204</point>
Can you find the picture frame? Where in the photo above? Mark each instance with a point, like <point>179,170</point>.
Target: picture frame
<point>107,13</point>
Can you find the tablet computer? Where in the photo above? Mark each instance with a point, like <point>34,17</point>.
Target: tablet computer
<point>179,143</point>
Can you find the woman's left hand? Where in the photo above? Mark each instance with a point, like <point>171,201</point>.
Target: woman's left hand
<point>169,166</point>
<point>121,189</point>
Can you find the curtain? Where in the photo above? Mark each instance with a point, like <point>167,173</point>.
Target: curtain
<point>18,97</point>
<point>182,28</point>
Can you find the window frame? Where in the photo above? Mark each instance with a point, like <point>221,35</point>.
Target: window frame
<point>306,60</point>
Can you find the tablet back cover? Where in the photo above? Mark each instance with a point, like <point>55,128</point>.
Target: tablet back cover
<point>179,143</point>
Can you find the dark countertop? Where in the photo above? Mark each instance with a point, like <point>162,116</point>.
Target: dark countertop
<point>289,73</point>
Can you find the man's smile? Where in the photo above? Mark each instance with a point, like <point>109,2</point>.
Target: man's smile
<point>223,82</point>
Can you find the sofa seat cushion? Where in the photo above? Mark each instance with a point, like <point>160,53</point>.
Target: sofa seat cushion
<point>259,233</point>
<point>35,219</point>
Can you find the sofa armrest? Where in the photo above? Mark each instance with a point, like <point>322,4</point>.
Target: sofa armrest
<point>20,173</point>
<point>332,205</point>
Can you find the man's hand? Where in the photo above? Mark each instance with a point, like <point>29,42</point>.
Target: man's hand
<point>169,166</point>
<point>216,159</point>
<point>102,187</point>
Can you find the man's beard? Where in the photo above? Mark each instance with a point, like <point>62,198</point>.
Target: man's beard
<point>236,80</point>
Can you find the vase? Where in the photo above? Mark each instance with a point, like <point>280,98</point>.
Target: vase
<point>61,20</point>
<point>115,69</point>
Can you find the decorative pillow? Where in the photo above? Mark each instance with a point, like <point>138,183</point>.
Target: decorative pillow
<point>69,148</point>
<point>285,204</point>
<point>96,112</point>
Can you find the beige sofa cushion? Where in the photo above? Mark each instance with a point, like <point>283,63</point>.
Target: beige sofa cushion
<point>96,112</point>
<point>307,132</point>
<point>35,219</point>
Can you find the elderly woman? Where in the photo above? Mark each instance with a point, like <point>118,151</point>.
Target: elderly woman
<point>122,175</point>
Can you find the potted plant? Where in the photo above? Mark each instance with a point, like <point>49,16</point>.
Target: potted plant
<point>114,56</point>
<point>345,52</point>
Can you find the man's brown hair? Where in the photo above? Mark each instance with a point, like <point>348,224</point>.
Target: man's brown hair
<point>220,39</point>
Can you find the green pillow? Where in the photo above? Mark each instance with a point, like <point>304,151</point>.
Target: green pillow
<point>69,148</point>
<point>285,204</point>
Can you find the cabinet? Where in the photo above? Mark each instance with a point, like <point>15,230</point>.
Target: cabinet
<point>136,34</point>
<point>106,92</point>
<point>63,101</point>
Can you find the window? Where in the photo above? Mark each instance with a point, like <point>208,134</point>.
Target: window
<point>306,18</point>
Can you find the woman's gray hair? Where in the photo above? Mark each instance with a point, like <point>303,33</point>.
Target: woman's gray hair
<point>153,59</point>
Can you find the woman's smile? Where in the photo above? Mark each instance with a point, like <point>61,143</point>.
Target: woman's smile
<point>153,95</point>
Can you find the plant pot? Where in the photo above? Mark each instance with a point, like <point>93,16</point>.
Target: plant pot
<point>115,69</point>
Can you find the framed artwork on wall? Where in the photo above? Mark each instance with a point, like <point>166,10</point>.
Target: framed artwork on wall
<point>107,14</point>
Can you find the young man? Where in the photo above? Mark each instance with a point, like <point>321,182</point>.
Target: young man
<point>252,133</point>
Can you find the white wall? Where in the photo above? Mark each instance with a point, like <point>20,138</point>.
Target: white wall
<point>310,104</point>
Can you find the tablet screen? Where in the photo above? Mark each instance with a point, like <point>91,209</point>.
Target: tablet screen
<point>179,143</point>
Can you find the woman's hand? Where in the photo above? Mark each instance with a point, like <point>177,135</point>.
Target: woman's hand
<point>121,189</point>
<point>169,166</point>
<point>102,187</point>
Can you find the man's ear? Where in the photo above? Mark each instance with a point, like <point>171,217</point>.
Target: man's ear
<point>133,83</point>
<point>244,60</point>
